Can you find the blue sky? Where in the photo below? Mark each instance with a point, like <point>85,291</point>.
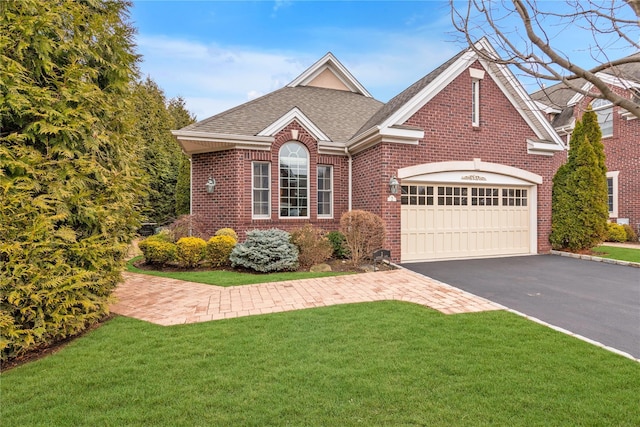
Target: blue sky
<point>219,54</point>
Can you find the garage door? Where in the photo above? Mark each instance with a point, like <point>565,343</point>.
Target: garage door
<point>440,221</point>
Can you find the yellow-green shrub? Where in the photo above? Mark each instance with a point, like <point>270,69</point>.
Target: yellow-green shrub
<point>227,232</point>
<point>616,233</point>
<point>190,251</point>
<point>157,250</point>
<point>632,236</point>
<point>219,248</point>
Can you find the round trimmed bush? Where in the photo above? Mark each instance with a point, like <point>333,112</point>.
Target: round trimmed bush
<point>227,232</point>
<point>616,233</point>
<point>266,251</point>
<point>219,249</point>
<point>364,233</point>
<point>191,251</point>
<point>632,236</point>
<point>157,250</point>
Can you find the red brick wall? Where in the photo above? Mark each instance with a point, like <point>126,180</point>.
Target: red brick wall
<point>449,135</point>
<point>230,205</point>
<point>623,155</point>
<point>224,207</point>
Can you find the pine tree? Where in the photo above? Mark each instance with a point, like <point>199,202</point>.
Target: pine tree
<point>69,177</point>
<point>181,118</point>
<point>579,197</point>
<point>162,155</point>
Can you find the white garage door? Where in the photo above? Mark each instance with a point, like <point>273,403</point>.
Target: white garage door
<point>440,221</point>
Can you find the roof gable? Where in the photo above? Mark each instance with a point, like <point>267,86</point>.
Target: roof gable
<point>329,73</point>
<point>397,111</point>
<point>297,115</point>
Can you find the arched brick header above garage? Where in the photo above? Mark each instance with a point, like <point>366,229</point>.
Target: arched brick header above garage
<point>470,166</point>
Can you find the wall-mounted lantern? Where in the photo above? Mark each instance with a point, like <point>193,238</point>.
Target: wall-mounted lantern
<point>393,185</point>
<point>210,185</point>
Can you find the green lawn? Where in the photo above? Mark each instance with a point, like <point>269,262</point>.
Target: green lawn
<point>230,278</point>
<point>614,252</point>
<point>386,363</point>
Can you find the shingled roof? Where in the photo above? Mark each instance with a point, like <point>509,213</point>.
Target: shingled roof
<point>406,95</point>
<point>558,95</point>
<point>339,114</point>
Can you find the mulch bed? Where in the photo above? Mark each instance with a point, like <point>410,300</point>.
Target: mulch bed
<point>335,264</point>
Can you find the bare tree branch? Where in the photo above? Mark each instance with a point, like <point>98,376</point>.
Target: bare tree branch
<point>526,37</point>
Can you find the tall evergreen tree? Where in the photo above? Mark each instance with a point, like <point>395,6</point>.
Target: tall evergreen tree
<point>579,197</point>
<point>181,118</point>
<point>69,177</point>
<point>153,123</point>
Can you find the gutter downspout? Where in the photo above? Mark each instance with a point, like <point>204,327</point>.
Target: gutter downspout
<point>190,187</point>
<point>190,196</point>
<point>346,150</point>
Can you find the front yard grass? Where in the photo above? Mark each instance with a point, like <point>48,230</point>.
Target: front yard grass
<point>621,254</point>
<point>230,278</point>
<point>383,363</point>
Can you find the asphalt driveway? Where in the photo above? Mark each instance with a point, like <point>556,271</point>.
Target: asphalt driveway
<point>596,300</point>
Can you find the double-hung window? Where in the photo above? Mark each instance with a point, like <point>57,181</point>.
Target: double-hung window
<point>604,109</point>
<point>325,191</point>
<point>294,180</point>
<point>261,195</point>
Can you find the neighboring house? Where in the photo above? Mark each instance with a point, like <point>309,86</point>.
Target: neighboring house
<point>620,134</point>
<point>473,156</point>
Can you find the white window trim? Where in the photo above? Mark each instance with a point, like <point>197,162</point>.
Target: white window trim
<point>476,76</point>
<point>330,214</point>
<point>605,105</point>
<point>253,214</point>
<point>308,184</point>
<point>475,103</point>
<point>614,176</point>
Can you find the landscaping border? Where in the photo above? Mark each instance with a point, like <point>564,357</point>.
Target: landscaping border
<point>596,259</point>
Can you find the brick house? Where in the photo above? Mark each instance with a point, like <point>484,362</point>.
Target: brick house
<point>620,134</point>
<point>473,157</point>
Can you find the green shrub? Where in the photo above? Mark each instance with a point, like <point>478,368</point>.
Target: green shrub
<point>70,171</point>
<point>266,251</point>
<point>579,195</point>
<point>632,236</point>
<point>227,232</point>
<point>158,250</point>
<point>364,233</point>
<point>313,246</point>
<point>166,235</point>
<point>191,250</point>
<point>219,249</point>
<point>337,241</point>
<point>616,233</point>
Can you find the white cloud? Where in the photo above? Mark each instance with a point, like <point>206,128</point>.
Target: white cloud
<point>224,76</point>
<point>212,78</point>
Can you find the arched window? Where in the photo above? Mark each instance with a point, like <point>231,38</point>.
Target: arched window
<point>294,180</point>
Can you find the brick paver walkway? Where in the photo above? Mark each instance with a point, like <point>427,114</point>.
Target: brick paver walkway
<point>170,302</point>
